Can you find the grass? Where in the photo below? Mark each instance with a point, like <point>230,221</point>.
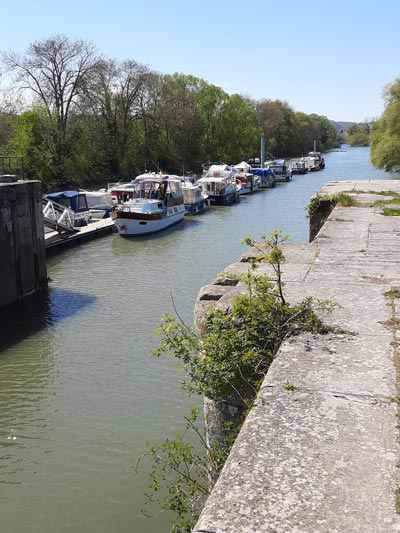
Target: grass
<point>394,293</point>
<point>289,386</point>
<point>388,212</point>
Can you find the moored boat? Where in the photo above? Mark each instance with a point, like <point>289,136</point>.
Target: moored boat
<point>248,182</point>
<point>76,201</point>
<point>280,168</point>
<point>99,203</point>
<point>314,161</point>
<point>155,203</point>
<point>298,167</point>
<point>194,199</point>
<point>219,184</point>
<point>266,176</point>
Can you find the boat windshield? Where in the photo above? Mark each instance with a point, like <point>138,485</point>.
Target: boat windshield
<point>150,189</point>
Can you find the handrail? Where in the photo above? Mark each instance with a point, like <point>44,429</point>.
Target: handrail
<point>58,216</point>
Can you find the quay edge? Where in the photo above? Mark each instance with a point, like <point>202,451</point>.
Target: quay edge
<point>324,457</point>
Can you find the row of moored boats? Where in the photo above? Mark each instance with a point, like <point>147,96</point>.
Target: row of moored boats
<point>154,201</point>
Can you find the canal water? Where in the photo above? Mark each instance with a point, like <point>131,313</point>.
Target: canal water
<point>80,393</point>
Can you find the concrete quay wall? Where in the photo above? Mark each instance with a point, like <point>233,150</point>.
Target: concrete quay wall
<point>22,252</point>
<point>324,456</point>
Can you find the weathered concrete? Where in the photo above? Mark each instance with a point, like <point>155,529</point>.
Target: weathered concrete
<point>22,253</point>
<point>325,456</point>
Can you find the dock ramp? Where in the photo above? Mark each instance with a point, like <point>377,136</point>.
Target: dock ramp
<point>58,217</point>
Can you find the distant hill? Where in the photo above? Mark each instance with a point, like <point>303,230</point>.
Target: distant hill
<point>341,127</point>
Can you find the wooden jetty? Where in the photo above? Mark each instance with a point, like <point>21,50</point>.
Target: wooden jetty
<point>55,241</point>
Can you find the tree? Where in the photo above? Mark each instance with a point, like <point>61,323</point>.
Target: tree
<point>358,135</point>
<point>115,100</point>
<point>385,132</point>
<point>30,139</point>
<point>276,121</point>
<point>179,120</point>
<point>238,132</point>
<point>54,72</point>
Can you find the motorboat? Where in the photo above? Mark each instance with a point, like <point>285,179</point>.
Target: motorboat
<point>155,203</point>
<point>76,202</point>
<point>280,168</point>
<point>194,199</point>
<point>219,184</point>
<point>298,167</point>
<point>122,192</point>
<point>99,203</point>
<point>247,181</point>
<point>314,161</point>
<point>266,176</point>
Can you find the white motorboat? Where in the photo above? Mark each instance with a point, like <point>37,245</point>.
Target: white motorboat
<point>314,161</point>
<point>99,203</point>
<point>194,199</point>
<point>155,203</point>
<point>248,183</point>
<point>219,184</point>
<point>280,168</point>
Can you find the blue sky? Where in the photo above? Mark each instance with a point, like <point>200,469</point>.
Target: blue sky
<point>327,57</point>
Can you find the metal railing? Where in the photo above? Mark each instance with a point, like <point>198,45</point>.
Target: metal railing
<point>58,217</point>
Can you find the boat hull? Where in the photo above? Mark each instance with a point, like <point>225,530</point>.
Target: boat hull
<point>226,199</point>
<point>267,183</point>
<point>196,207</point>
<point>131,223</point>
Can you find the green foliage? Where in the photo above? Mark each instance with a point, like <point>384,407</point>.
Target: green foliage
<point>358,135</point>
<point>118,118</point>
<point>394,293</point>
<point>238,347</point>
<point>293,133</point>
<point>180,475</point>
<point>313,205</point>
<point>30,139</point>
<point>342,198</point>
<point>388,212</point>
<point>231,358</point>
<point>289,386</point>
<point>385,133</point>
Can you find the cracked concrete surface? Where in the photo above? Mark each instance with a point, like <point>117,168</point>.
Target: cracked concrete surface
<point>325,456</point>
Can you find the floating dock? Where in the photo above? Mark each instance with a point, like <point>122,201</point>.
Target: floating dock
<point>55,241</point>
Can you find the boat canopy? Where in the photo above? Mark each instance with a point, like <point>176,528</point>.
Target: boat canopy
<point>243,166</point>
<point>75,200</point>
<point>262,172</point>
<point>278,162</point>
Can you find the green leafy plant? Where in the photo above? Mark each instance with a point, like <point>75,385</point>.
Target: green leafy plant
<point>289,386</point>
<point>231,357</point>
<point>388,212</point>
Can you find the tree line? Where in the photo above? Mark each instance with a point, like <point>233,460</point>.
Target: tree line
<point>78,118</point>
<point>385,132</point>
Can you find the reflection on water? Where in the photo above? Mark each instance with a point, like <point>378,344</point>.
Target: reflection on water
<point>39,311</point>
<point>80,394</point>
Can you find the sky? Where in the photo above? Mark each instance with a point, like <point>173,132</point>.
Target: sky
<point>330,57</point>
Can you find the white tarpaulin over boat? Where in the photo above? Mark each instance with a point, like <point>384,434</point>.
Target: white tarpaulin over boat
<point>243,166</point>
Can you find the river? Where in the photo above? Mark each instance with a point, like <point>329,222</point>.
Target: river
<point>80,393</point>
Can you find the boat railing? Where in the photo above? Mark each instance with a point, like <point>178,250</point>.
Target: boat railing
<point>58,216</point>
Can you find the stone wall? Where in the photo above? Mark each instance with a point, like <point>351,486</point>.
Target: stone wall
<point>323,454</point>
<point>22,251</point>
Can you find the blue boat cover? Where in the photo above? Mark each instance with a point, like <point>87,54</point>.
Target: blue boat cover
<point>262,172</point>
<point>73,199</point>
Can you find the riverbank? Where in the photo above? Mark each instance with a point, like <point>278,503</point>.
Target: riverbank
<point>322,454</point>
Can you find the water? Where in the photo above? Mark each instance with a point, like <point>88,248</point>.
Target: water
<point>79,392</point>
